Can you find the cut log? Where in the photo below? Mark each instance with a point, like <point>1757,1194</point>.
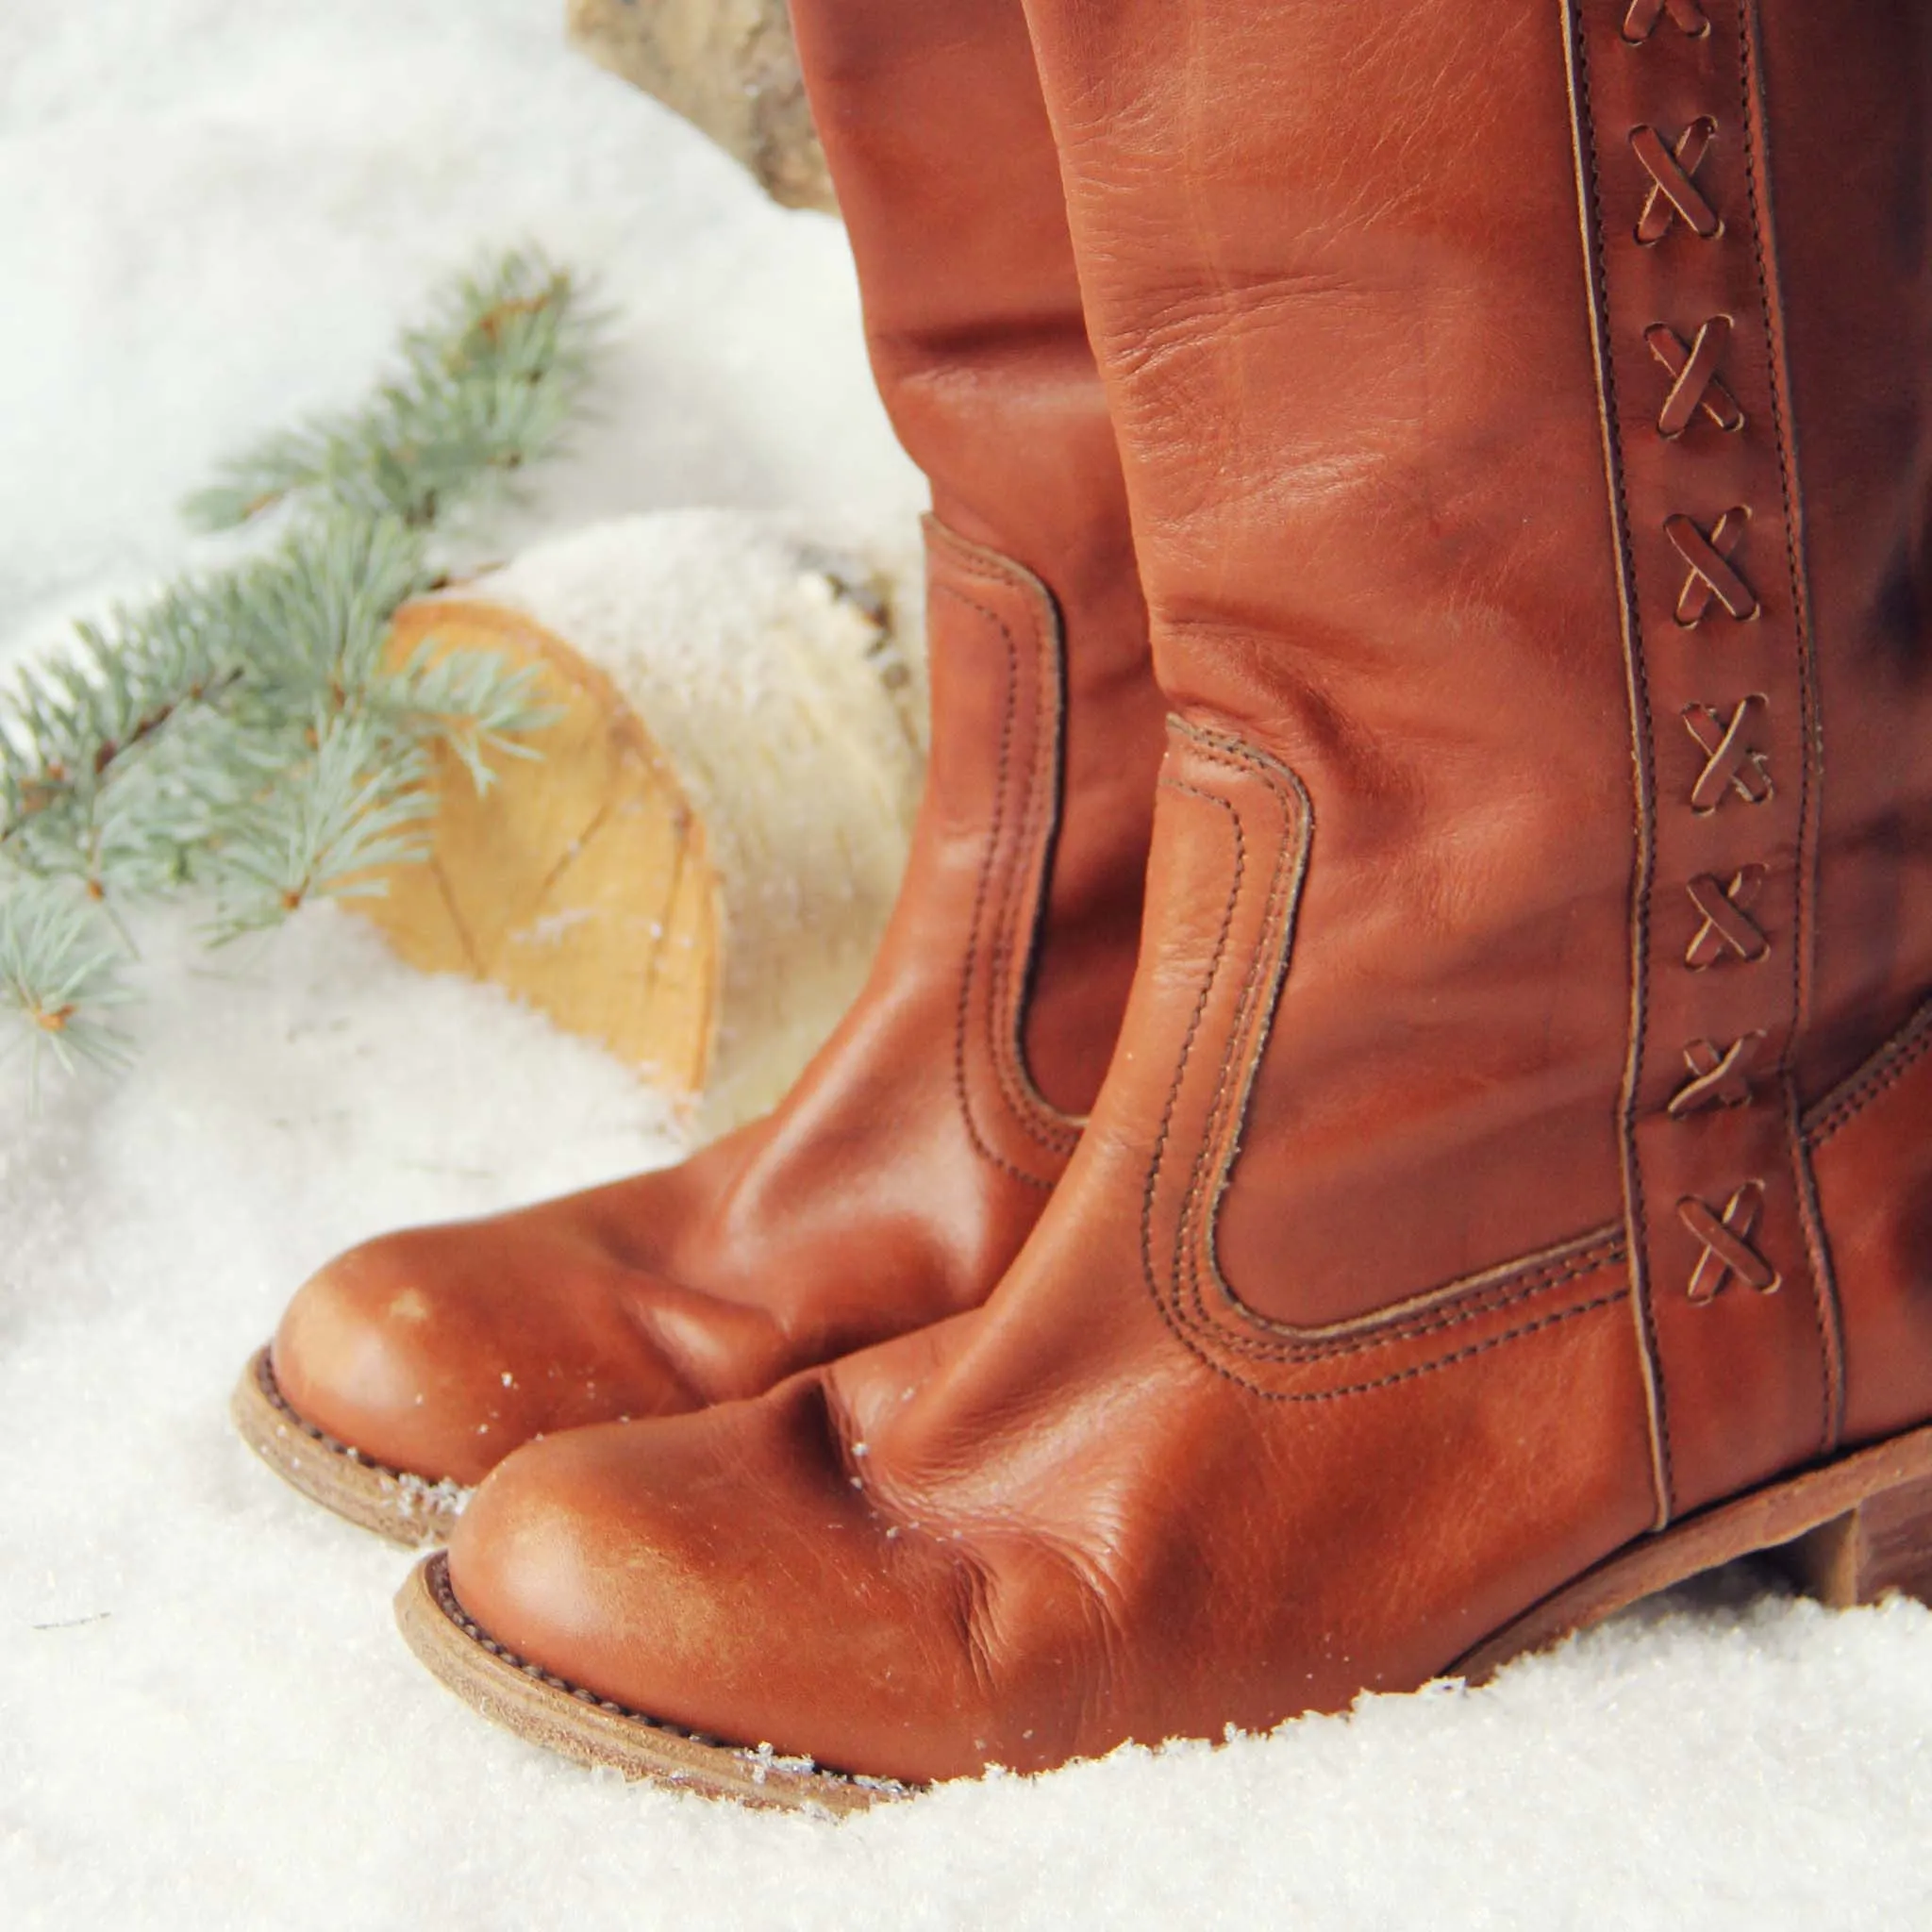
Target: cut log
<point>697,869</point>
<point>730,67</point>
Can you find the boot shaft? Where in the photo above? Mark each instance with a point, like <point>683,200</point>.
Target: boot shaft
<point>1525,427</point>
<point>948,179</point>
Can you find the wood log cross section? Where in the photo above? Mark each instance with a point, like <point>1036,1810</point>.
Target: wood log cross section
<point>697,869</point>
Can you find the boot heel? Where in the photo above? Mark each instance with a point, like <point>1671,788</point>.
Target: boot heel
<point>1884,1544</point>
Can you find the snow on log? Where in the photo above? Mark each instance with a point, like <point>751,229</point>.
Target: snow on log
<point>697,869</point>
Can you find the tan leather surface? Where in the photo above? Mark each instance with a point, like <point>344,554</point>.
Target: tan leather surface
<point>899,1179</point>
<point>1386,564</point>
<point>1853,206</point>
<point>1367,1312</point>
<point>1870,1143</point>
<point>1103,1506</point>
<point>1720,639</point>
<point>933,124</point>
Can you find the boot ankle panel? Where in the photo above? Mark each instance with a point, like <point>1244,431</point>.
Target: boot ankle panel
<point>1299,1223</point>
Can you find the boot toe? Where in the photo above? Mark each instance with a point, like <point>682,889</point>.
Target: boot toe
<point>377,1351</point>
<point>713,1572</point>
<point>437,1351</point>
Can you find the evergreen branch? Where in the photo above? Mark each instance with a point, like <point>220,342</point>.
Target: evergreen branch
<point>61,976</point>
<point>252,729</point>
<point>318,610</point>
<point>485,389</point>
<point>89,731</point>
<point>327,832</point>
<point>468,702</point>
<point>125,682</point>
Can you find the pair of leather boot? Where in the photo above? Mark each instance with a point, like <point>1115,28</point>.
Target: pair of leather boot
<point>1511,1188</point>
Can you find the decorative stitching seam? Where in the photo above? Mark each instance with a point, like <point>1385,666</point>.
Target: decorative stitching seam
<point>1879,1074</point>
<point>1409,1374</point>
<point>1644,725</point>
<point>1823,1282</point>
<point>1151,1187</point>
<point>1015,932</point>
<point>969,970</point>
<point>1195,1228</point>
<point>1192,1238</point>
<point>1450,1360</point>
<point>1490,1299</point>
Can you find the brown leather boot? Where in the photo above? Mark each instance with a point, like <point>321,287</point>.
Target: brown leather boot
<point>1512,1189</point>
<point>901,1177</point>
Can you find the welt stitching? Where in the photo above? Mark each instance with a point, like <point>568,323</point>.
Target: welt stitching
<point>446,1602</point>
<point>1033,1114</point>
<point>1640,684</point>
<point>967,972</point>
<point>271,1392</point>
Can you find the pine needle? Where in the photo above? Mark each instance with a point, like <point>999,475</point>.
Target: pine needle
<point>61,976</point>
<point>359,808</point>
<point>250,730</point>
<point>483,391</point>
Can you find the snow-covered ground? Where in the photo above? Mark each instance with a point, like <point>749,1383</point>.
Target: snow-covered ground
<point>213,213</point>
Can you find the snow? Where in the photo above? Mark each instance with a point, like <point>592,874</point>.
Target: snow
<point>212,211</point>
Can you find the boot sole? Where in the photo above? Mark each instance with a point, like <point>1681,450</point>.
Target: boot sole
<point>563,1716</point>
<point>1846,1533</point>
<point>401,1507</point>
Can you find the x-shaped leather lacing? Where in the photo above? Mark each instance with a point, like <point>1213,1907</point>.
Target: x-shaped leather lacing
<point>1727,1249</point>
<point>1732,766</point>
<point>1695,384</point>
<point>1713,578</point>
<point>1719,1076</point>
<point>1728,928</point>
<point>1646,16</point>
<point>1673,192</point>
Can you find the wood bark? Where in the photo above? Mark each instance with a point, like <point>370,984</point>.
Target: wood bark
<point>731,67</point>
